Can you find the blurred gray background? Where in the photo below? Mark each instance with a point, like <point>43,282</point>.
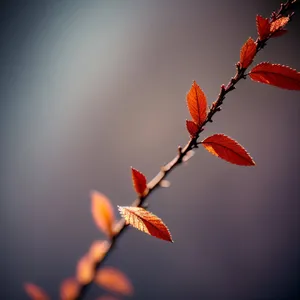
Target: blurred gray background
<point>90,88</point>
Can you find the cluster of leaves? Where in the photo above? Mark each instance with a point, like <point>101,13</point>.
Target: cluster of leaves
<point>219,145</point>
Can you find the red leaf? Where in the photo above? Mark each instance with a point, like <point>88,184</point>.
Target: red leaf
<point>278,24</point>
<point>145,221</point>
<point>69,289</point>
<point>263,27</point>
<point>247,53</point>
<point>197,104</point>
<point>103,213</point>
<point>114,280</point>
<point>139,182</point>
<point>228,149</point>
<point>35,292</point>
<point>276,75</point>
<point>192,128</point>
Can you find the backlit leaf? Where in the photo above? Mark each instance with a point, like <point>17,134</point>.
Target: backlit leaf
<point>276,75</point>
<point>97,250</point>
<point>102,212</point>
<point>114,280</point>
<point>139,182</point>
<point>69,289</point>
<point>278,24</point>
<point>145,221</point>
<point>35,292</point>
<point>85,270</point>
<point>192,128</point>
<point>197,104</point>
<point>247,53</point>
<point>263,27</point>
<point>227,149</point>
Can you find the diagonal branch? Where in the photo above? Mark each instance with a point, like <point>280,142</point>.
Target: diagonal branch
<point>121,226</point>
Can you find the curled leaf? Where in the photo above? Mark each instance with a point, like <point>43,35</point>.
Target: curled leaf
<point>192,128</point>
<point>247,53</point>
<point>114,280</point>
<point>35,292</point>
<point>139,182</point>
<point>97,250</point>
<point>69,289</point>
<point>228,149</point>
<point>197,104</point>
<point>103,212</point>
<point>276,75</point>
<point>85,270</point>
<point>145,221</point>
<point>263,27</point>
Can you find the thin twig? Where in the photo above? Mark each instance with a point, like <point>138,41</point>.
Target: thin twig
<point>191,144</point>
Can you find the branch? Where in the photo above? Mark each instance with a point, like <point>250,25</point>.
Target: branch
<point>121,226</point>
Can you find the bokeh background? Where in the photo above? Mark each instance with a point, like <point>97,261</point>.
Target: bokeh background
<point>89,88</point>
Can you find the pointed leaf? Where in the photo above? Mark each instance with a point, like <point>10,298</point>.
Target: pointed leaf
<point>192,128</point>
<point>145,221</point>
<point>228,149</point>
<point>247,53</point>
<point>263,27</point>
<point>103,213</point>
<point>85,270</point>
<point>276,75</point>
<point>69,289</point>
<point>197,104</point>
<point>279,24</point>
<point>98,250</point>
<point>114,280</point>
<point>139,182</point>
<point>35,292</point>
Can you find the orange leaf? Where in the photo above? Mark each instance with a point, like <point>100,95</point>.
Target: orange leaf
<point>85,270</point>
<point>102,212</point>
<point>276,75</point>
<point>69,289</point>
<point>35,292</point>
<point>192,128</point>
<point>114,280</point>
<point>278,24</point>
<point>263,27</point>
<point>227,149</point>
<point>97,250</point>
<point>145,221</point>
<point>247,53</point>
<point>139,181</point>
<point>197,104</point>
